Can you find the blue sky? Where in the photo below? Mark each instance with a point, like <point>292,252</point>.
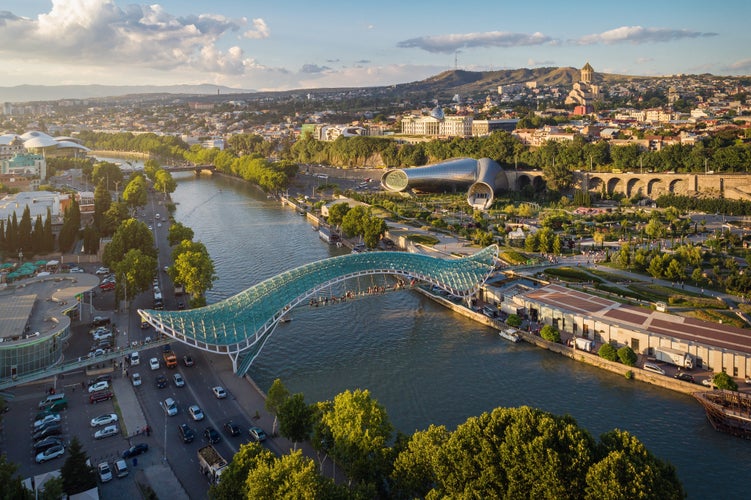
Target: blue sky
<point>288,44</point>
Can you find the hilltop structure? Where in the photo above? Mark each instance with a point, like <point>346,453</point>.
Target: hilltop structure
<point>585,92</point>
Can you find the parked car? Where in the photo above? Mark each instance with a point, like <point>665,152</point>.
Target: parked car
<point>99,386</point>
<point>106,419</point>
<point>708,382</point>
<point>50,453</point>
<point>136,379</point>
<point>121,468</point>
<point>687,377</point>
<point>135,450</point>
<point>195,412</point>
<point>100,396</point>
<point>102,270</point>
<point>48,442</point>
<point>105,432</point>
<point>76,270</point>
<point>102,335</point>
<point>100,321</point>
<point>47,419</point>
<point>135,359</point>
<point>211,435</point>
<point>161,382</point>
<point>232,428</point>
<point>188,360</point>
<point>186,433</point>
<point>107,286</point>
<point>219,392</point>
<point>46,431</point>
<point>179,380</point>
<point>257,434</point>
<point>104,471</point>
<point>154,363</point>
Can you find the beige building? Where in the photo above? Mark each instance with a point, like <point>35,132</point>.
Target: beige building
<point>585,92</point>
<point>437,124</point>
<point>715,347</point>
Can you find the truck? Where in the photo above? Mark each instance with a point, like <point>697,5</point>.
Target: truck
<point>179,289</point>
<point>674,357</point>
<point>583,344</point>
<point>170,359</point>
<point>158,300</point>
<point>211,462</point>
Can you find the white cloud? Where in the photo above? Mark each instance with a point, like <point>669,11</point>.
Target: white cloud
<point>98,33</point>
<point>638,34</point>
<point>532,63</point>
<point>260,30</point>
<point>451,43</point>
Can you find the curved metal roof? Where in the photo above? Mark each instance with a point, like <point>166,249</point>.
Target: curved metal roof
<point>240,322</point>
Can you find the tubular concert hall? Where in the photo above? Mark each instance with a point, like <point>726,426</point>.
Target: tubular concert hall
<point>482,178</point>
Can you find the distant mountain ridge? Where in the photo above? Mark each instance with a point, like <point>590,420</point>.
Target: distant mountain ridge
<point>33,93</point>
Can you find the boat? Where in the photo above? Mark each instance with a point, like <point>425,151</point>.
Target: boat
<point>328,235</point>
<point>285,319</point>
<point>510,334</point>
<point>727,411</point>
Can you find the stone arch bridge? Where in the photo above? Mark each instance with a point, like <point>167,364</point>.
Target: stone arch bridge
<point>240,325</point>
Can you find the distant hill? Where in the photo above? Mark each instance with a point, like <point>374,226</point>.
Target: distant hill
<point>32,93</point>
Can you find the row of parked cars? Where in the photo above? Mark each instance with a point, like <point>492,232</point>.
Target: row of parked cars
<point>47,429</point>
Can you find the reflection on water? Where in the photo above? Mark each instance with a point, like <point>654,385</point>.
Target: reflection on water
<point>426,364</point>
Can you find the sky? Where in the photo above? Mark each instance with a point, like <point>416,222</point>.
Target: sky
<point>294,44</point>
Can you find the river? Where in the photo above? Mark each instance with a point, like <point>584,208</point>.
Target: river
<point>427,365</point>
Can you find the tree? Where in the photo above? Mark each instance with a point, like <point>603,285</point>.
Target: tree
<point>12,488</point>
<point>608,352</point>
<point>135,272</point>
<point>163,182</point>
<point>53,489</point>
<point>24,231</point>
<point>625,469</point>
<point>132,234</point>
<point>295,419</point>
<point>275,398</point>
<point>550,333</point>
<point>135,194</point>
<point>627,355</point>
<point>102,203</point>
<point>415,467</point>
<point>77,475</point>
<point>71,226</point>
<point>107,172</point>
<point>723,381</point>
<point>289,476</point>
<point>193,267</point>
<point>234,476</point>
<point>514,320</point>
<point>178,232</point>
<point>337,213</point>
<point>360,430</point>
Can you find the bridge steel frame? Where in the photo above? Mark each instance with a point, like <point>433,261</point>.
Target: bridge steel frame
<point>240,325</point>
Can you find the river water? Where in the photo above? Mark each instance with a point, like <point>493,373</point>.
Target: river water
<point>427,365</point>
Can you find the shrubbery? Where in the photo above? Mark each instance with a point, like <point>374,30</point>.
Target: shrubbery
<point>608,352</point>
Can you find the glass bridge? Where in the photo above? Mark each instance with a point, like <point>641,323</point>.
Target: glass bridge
<point>240,325</point>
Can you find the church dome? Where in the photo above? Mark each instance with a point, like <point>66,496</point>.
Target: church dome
<point>437,113</point>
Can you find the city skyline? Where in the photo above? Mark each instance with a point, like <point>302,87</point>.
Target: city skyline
<point>303,45</point>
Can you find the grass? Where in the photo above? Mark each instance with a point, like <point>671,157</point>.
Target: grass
<point>423,239</point>
<point>571,274</point>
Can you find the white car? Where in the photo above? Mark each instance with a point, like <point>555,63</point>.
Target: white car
<point>170,407</point>
<point>135,359</point>
<point>196,412</point>
<point>219,392</point>
<point>53,417</point>
<point>99,386</point>
<point>50,453</point>
<point>154,363</point>
<point>136,378</point>
<point>102,334</point>
<point>108,431</point>
<point>179,380</point>
<point>106,419</point>
<point>105,473</point>
<point>103,270</point>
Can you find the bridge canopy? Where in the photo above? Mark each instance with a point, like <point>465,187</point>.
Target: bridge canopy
<point>239,322</point>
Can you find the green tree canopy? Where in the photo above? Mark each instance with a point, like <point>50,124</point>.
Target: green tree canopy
<point>178,232</point>
<point>135,193</point>
<point>134,272</point>
<point>12,488</point>
<point>608,352</point>
<point>275,398</point>
<point>131,235</point>
<point>234,476</point>
<point>77,475</point>
<point>193,267</point>
<point>295,419</point>
<point>550,333</point>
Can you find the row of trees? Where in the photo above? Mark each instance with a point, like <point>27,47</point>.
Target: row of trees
<point>21,236</point>
<point>191,264</point>
<point>357,222</point>
<point>507,453</point>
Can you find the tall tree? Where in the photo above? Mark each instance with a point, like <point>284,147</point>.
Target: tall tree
<point>102,203</point>
<point>289,476</point>
<point>276,397</point>
<point>77,475</point>
<point>178,232</point>
<point>37,236</point>
<point>295,419</point>
<point>234,476</point>
<point>12,487</point>
<point>71,226</point>
<point>135,193</point>
<point>132,234</point>
<point>24,231</point>
<point>135,272</point>
<point>49,236</point>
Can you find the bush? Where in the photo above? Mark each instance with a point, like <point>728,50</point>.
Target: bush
<point>629,375</point>
<point>550,333</point>
<point>627,356</point>
<point>723,381</point>
<point>514,320</point>
<point>608,352</point>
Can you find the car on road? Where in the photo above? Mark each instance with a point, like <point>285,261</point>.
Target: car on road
<point>165,268</point>
<point>102,270</point>
<point>161,382</point>
<point>100,321</point>
<point>100,396</point>
<point>686,377</point>
<point>104,471</point>
<point>195,412</point>
<point>46,443</point>
<point>107,286</point>
<point>186,433</point>
<point>76,270</point>
<point>231,428</point>
<point>135,450</point>
<point>96,352</point>
<point>188,360</point>
<point>136,378</point>
<point>99,386</point>
<point>50,453</point>
<point>211,435</point>
<point>179,380</point>
<point>47,419</point>
<point>154,363</point>
<point>105,432</point>
<point>101,335</point>
<point>180,305</point>
<point>219,392</point>
<point>135,359</point>
<point>170,407</point>
<point>106,419</point>
<point>46,431</point>
<point>257,434</point>
<point>145,325</point>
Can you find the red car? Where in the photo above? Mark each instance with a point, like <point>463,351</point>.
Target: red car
<point>107,286</point>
